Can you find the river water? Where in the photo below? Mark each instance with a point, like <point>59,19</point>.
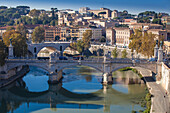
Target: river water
<point>80,91</point>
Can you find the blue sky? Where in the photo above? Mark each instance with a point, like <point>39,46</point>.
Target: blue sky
<point>133,6</point>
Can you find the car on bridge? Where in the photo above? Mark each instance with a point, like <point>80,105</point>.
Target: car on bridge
<point>63,58</point>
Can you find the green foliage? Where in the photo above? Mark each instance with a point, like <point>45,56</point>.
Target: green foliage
<point>38,34</point>
<point>157,21</point>
<point>68,38</point>
<point>134,111</point>
<point>18,41</point>
<point>3,54</point>
<point>80,46</point>
<point>34,13</point>
<point>52,23</point>
<point>100,52</point>
<point>22,29</point>
<point>115,53</point>
<point>142,43</point>
<point>86,39</point>
<point>148,97</point>
<point>57,38</point>
<point>103,39</point>
<point>84,44</point>
<point>125,69</point>
<point>124,53</point>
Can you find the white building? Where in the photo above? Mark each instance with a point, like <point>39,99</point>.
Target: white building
<point>110,36</point>
<point>122,36</point>
<point>83,9</point>
<point>96,32</point>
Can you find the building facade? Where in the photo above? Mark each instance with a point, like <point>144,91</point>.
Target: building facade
<point>96,33</point>
<point>122,36</point>
<point>159,33</point>
<point>110,36</point>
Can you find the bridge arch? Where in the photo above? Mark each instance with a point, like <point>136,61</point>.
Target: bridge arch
<point>59,46</point>
<point>36,65</point>
<point>98,68</point>
<point>120,67</point>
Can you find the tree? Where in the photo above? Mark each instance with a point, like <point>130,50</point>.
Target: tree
<point>22,29</point>
<point>16,15</point>
<point>34,13</point>
<point>86,39</point>
<point>124,54</point>
<point>10,23</point>
<point>136,41</point>
<point>52,23</point>
<point>68,38</point>
<point>10,28</point>
<point>115,53</point>
<point>35,21</point>
<point>157,21</point>
<point>103,39</point>
<point>80,46</point>
<point>100,52</point>
<point>143,42</point>
<point>84,44</point>
<point>73,45</point>
<point>57,38</point>
<point>18,41</point>
<point>3,54</point>
<point>38,34</point>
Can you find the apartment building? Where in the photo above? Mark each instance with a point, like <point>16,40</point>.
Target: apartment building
<point>128,21</point>
<point>145,26</point>
<point>96,33</point>
<point>115,14</point>
<point>104,12</point>
<point>83,9</point>
<point>159,33</point>
<point>110,36</point>
<point>122,36</point>
<point>51,33</point>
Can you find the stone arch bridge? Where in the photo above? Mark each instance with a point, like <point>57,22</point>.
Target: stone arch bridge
<point>59,46</point>
<point>55,66</point>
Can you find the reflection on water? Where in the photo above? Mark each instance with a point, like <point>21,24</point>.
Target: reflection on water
<point>80,91</point>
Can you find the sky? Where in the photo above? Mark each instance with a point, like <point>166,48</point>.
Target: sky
<point>132,6</point>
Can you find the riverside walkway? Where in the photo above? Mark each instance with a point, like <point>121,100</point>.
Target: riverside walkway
<point>160,100</point>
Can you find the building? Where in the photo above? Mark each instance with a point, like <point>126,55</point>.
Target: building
<point>83,9</point>
<point>159,33</point>
<point>168,23</point>
<point>110,36</point>
<point>103,24</point>
<point>115,14</point>
<point>51,33</point>
<point>96,33</point>
<point>103,12</point>
<point>122,36</point>
<point>145,26</point>
<point>128,21</point>
<point>64,19</point>
<point>166,47</point>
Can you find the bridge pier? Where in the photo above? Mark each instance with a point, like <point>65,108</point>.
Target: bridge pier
<point>55,77</point>
<point>107,79</point>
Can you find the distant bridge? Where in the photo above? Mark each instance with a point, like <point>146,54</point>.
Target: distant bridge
<point>59,46</point>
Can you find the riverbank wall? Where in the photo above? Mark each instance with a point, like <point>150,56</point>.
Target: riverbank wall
<point>12,75</point>
<point>160,98</point>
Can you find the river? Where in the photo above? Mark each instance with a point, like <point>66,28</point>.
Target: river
<point>80,91</point>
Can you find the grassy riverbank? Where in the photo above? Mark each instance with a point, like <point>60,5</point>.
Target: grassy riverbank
<point>145,101</point>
